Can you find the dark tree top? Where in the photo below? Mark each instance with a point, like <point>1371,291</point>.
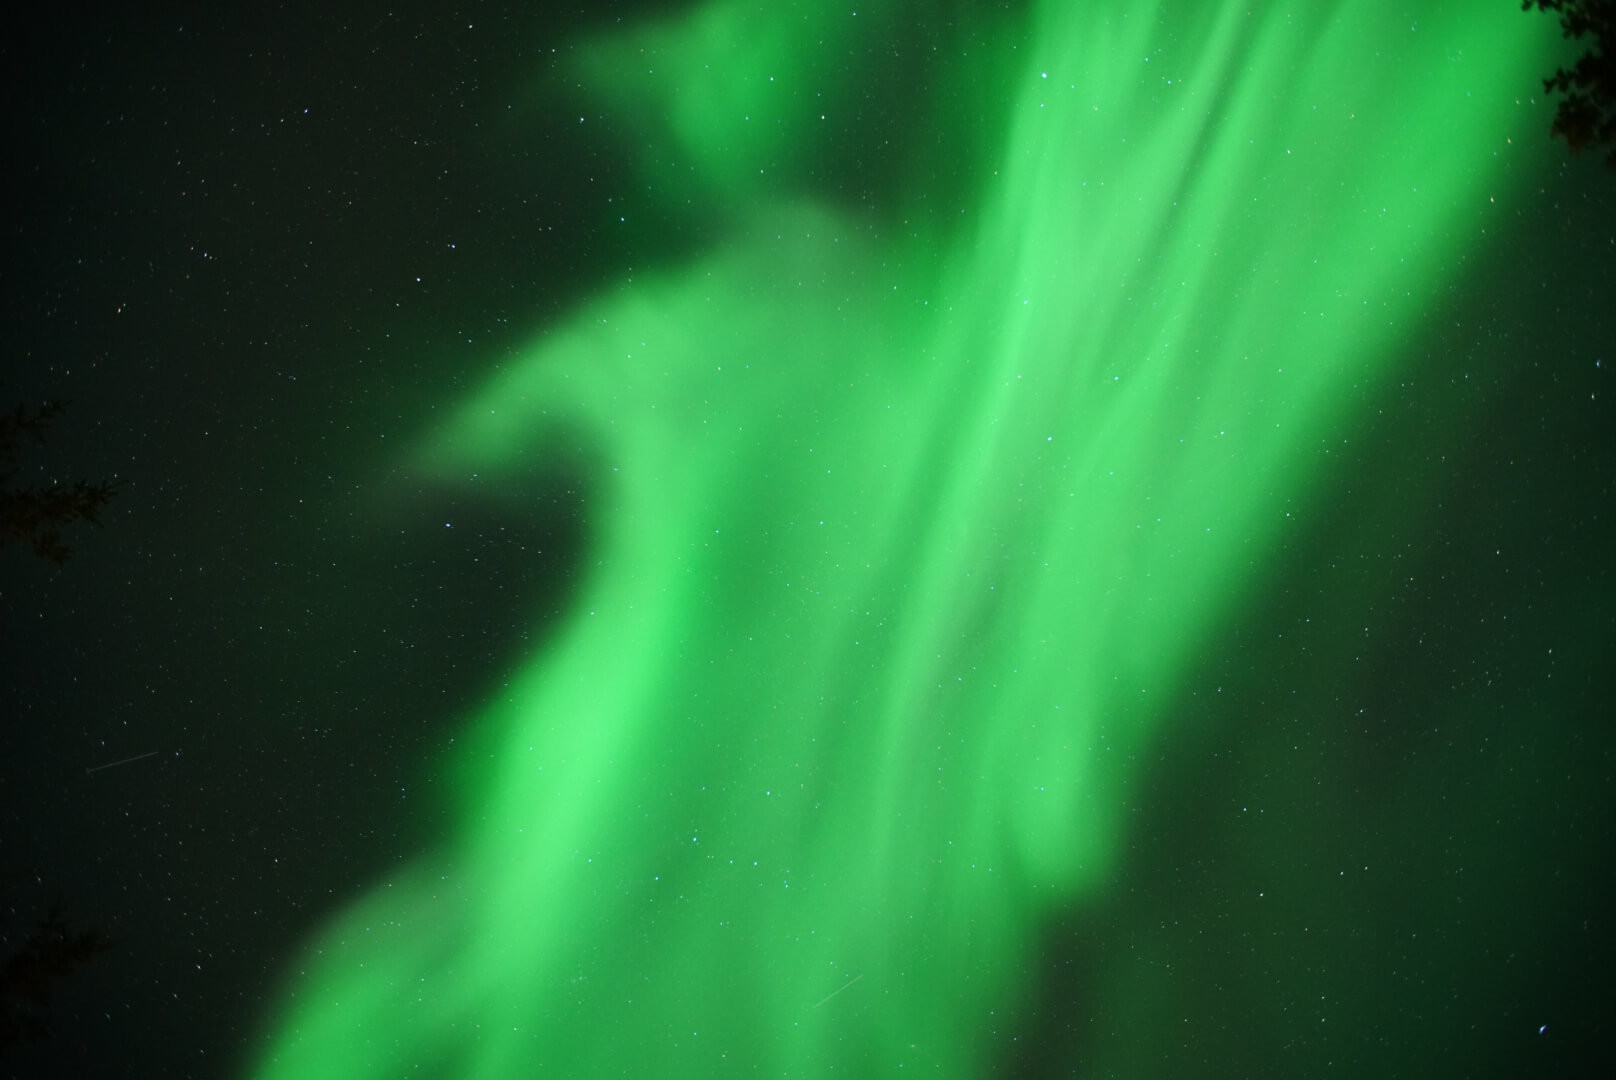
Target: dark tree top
<point>1587,113</point>
<point>36,515</point>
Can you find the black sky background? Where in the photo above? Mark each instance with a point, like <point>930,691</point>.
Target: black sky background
<point>243,244</point>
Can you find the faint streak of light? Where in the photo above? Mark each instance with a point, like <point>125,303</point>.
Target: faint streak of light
<point>127,760</point>
<point>833,993</point>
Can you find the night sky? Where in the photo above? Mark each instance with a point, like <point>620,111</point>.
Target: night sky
<point>279,262</point>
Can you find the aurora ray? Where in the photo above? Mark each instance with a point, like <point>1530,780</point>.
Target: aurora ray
<point>906,538</point>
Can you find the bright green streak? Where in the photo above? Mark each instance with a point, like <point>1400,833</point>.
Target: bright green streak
<point>906,543</point>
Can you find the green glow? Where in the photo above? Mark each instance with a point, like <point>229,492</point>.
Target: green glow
<point>906,542</point>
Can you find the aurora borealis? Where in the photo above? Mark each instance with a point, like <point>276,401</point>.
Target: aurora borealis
<point>908,540</point>
<point>748,539</point>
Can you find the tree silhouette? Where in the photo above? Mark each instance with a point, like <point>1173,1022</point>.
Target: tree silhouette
<point>1587,113</point>
<point>48,953</point>
<point>36,515</point>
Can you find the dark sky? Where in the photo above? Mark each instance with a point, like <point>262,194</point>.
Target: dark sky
<point>257,247</point>
<point>245,244</point>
